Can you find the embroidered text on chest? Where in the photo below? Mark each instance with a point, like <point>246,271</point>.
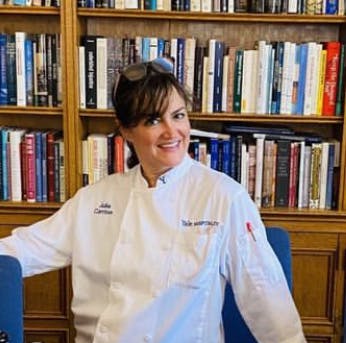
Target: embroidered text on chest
<point>103,208</point>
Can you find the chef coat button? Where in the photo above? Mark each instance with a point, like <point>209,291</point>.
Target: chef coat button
<point>147,338</point>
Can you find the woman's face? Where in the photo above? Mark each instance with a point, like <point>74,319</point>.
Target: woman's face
<point>161,142</point>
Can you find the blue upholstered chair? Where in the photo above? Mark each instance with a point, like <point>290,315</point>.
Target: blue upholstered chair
<point>11,298</point>
<point>236,331</point>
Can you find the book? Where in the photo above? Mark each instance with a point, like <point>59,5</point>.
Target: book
<point>331,77</point>
<point>3,72</point>
<point>20,38</point>
<point>11,73</point>
<point>89,43</point>
<point>282,173</point>
<point>30,162</point>
<point>101,73</point>
<point>15,137</point>
<point>237,89</point>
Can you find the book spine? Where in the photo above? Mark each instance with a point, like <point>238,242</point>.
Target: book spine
<point>282,173</point>
<point>20,68</point>
<point>3,70</point>
<point>30,167</point>
<point>90,71</point>
<point>331,78</point>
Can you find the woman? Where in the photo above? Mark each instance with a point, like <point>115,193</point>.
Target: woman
<point>151,250</point>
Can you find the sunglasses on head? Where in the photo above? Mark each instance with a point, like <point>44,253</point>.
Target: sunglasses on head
<point>136,72</point>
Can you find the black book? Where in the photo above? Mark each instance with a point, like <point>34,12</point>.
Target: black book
<point>282,173</point>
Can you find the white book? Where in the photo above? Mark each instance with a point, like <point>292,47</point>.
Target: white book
<point>230,6</point>
<point>189,64</point>
<point>131,4</point>
<point>315,80</point>
<point>119,4</point>
<point>15,137</point>
<point>262,77</point>
<point>225,89</point>
<point>206,6</point>
<point>101,73</point>
<point>323,176</point>
<point>153,48</point>
<point>208,134</point>
<point>97,150</point>
<point>259,170</point>
<point>205,84</point>
<point>195,5</point>
<point>20,68</point>
<point>310,69</point>
<point>211,71</point>
<point>301,174</point>
<point>249,84</point>
<point>287,78</point>
<point>81,56</point>
<point>292,6</point>
<point>244,165</point>
<point>85,159</point>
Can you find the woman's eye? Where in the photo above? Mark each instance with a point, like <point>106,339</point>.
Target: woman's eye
<point>180,115</point>
<point>152,121</point>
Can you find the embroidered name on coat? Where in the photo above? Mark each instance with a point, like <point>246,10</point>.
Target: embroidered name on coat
<point>103,208</point>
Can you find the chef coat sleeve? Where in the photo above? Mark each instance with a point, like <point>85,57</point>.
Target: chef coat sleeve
<point>45,245</point>
<point>259,284</point>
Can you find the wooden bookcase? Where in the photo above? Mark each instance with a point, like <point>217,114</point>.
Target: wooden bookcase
<point>318,237</point>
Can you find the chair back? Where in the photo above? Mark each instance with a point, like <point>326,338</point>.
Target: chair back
<point>11,298</point>
<point>235,328</point>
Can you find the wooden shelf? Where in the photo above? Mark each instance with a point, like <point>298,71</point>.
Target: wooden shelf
<point>201,16</point>
<point>31,110</point>
<point>32,10</point>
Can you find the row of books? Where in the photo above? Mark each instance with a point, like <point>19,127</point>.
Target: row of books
<point>280,77</point>
<point>45,3</point>
<point>103,154</point>
<point>311,7</point>
<point>31,165</point>
<point>277,169</point>
<point>30,69</point>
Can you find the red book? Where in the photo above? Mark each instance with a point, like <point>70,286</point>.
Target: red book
<point>119,154</point>
<point>331,78</point>
<point>30,167</point>
<point>51,138</point>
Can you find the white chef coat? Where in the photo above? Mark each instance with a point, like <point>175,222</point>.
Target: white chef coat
<point>150,264</point>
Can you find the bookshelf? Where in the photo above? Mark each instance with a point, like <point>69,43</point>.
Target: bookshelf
<point>318,237</point>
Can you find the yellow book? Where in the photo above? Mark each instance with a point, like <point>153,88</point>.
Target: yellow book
<point>321,78</point>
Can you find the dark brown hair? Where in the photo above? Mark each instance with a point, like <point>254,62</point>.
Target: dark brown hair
<point>148,97</point>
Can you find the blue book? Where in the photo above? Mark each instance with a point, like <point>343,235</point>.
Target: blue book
<point>11,73</point>
<point>160,47</point>
<point>218,73</point>
<point>280,71</point>
<point>3,73</point>
<point>180,59</point>
<point>331,6</point>
<point>4,155</point>
<point>150,5</point>
<point>145,49</point>
<point>330,176</point>
<point>214,153</point>
<point>38,165</point>
<point>194,149</point>
<point>225,156</point>
<point>233,158</point>
<point>295,81</point>
<point>302,78</point>
<point>29,72</point>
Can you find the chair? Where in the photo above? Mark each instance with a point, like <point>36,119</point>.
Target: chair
<point>236,330</point>
<point>11,298</point>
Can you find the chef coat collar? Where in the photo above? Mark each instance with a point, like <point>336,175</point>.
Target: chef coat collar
<point>165,178</point>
